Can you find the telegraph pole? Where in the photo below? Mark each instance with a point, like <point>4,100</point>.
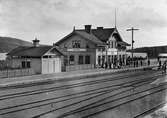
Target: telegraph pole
<point>132,30</point>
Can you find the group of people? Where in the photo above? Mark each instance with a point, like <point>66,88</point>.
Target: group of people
<point>134,63</point>
<point>162,66</point>
<point>111,65</point>
<point>120,64</point>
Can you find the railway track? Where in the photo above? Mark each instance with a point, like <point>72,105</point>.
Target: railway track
<point>129,101</point>
<point>95,92</point>
<point>67,86</point>
<point>120,86</point>
<point>93,104</point>
<point>140,115</point>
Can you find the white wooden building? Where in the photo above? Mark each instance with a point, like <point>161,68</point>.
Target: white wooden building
<point>42,59</point>
<point>162,56</point>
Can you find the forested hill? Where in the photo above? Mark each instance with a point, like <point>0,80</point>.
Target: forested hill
<point>8,43</point>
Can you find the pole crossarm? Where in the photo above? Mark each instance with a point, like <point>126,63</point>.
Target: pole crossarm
<point>131,29</point>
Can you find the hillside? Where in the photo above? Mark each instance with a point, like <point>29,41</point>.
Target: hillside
<point>152,51</point>
<point>8,43</point>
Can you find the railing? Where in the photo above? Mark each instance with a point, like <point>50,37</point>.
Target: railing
<point>7,73</point>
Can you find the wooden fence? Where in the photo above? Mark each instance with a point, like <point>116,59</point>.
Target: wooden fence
<point>7,73</point>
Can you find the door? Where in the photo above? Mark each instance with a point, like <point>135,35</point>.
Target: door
<point>44,66</point>
<point>57,65</point>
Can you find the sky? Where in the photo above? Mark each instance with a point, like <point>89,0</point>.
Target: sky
<point>51,20</point>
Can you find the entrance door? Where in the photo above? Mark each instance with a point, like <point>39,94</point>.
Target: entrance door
<point>44,66</point>
<point>57,65</point>
<point>52,65</point>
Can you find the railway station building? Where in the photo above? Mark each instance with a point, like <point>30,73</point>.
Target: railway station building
<point>92,47</point>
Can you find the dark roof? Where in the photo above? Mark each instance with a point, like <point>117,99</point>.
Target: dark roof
<point>90,37</point>
<point>31,51</point>
<point>83,34</point>
<point>103,34</point>
<point>97,36</point>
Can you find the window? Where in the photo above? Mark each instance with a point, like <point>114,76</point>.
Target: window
<point>76,44</point>
<point>87,59</point>
<point>112,46</point>
<point>23,64</point>
<point>28,64</point>
<point>71,61</point>
<point>80,60</point>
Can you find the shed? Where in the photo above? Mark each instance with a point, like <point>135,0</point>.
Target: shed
<point>42,59</point>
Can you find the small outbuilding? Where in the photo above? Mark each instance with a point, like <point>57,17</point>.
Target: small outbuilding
<point>42,59</point>
<point>137,54</point>
<point>162,56</point>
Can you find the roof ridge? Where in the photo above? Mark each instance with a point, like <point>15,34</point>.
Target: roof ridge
<point>95,29</point>
<point>90,35</point>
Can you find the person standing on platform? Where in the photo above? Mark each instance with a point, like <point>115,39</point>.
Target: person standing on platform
<point>148,62</point>
<point>164,67</point>
<point>141,62</point>
<point>106,65</point>
<point>159,64</point>
<point>136,63</point>
<point>110,64</point>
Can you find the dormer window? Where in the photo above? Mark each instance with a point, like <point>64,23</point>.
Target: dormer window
<point>76,44</point>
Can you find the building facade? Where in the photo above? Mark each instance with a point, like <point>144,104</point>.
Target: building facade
<point>114,50</point>
<point>79,48</point>
<point>42,59</point>
<point>89,48</point>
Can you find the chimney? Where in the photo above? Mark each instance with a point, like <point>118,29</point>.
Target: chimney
<point>99,28</point>
<point>88,28</point>
<point>36,42</point>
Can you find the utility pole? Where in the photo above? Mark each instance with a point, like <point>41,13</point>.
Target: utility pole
<point>132,30</point>
<point>115,18</point>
